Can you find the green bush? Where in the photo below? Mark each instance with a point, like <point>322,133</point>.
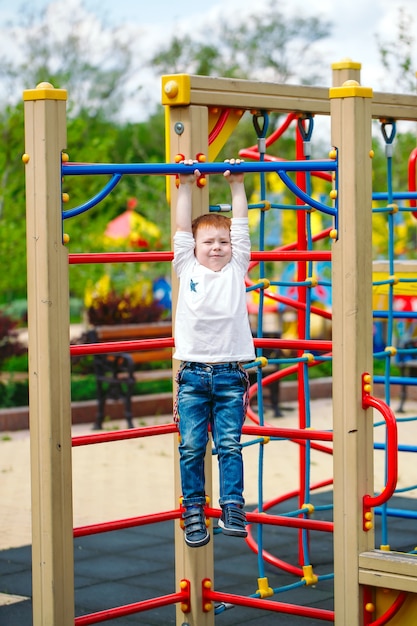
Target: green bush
<point>14,393</point>
<point>10,345</point>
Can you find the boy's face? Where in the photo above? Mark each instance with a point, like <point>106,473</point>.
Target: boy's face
<point>213,248</point>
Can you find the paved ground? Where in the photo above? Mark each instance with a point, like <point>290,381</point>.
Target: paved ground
<point>135,477</point>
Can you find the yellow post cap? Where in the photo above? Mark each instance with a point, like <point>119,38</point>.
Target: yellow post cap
<point>44,91</point>
<point>346,64</point>
<point>350,89</point>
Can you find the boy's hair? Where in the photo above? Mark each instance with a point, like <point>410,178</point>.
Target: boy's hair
<point>211,219</point>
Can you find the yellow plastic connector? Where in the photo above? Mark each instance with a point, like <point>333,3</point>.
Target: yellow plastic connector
<point>309,576</point>
<point>313,282</point>
<point>368,524</point>
<point>207,606</point>
<point>65,197</point>
<point>370,607</point>
<point>393,207</point>
<point>392,350</point>
<point>333,154</point>
<point>385,548</point>
<point>333,194</point>
<point>371,154</point>
<point>65,238</point>
<point>308,356</point>
<point>333,233</point>
<point>266,205</point>
<point>309,507</point>
<point>64,157</point>
<point>265,440</point>
<point>394,280</point>
<point>25,158</point>
<point>262,361</point>
<point>264,283</point>
<point>264,590</point>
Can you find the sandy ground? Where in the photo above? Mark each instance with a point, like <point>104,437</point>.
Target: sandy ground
<point>135,477</point>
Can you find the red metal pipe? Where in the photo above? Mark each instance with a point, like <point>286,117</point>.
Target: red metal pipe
<point>210,595</point>
<point>291,255</point>
<point>129,522</point>
<point>295,344</point>
<point>287,433</point>
<point>119,435</point>
<point>119,257</point>
<point>130,609</point>
<point>153,257</point>
<point>108,347</point>
<point>280,520</point>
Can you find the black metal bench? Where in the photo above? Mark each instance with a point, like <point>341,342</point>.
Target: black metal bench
<point>116,373</point>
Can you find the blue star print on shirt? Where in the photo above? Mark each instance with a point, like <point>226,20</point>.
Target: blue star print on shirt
<point>193,285</point>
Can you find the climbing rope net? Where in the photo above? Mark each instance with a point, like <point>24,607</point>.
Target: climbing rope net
<point>291,279</point>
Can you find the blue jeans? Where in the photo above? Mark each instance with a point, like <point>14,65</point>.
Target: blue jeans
<point>211,395</point>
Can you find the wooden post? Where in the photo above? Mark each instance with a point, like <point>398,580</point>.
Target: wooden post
<point>352,342</point>
<point>49,360</point>
<point>187,129</point>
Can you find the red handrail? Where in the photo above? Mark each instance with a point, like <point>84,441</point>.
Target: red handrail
<point>392,445</point>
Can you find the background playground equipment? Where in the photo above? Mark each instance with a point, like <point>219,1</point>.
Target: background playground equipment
<point>196,108</point>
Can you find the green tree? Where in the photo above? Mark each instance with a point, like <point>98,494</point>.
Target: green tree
<point>397,55</point>
<point>72,51</point>
<point>95,71</point>
<point>267,44</point>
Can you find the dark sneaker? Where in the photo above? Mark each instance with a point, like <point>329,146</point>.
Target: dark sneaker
<point>233,521</point>
<point>195,529</point>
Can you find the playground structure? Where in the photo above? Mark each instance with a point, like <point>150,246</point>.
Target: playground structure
<point>201,112</point>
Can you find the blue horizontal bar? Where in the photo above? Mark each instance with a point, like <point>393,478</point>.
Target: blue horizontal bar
<point>401,447</point>
<point>396,380</point>
<point>397,513</point>
<point>397,195</point>
<point>167,169</point>
<point>395,314</point>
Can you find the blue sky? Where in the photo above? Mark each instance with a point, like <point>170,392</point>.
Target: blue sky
<point>153,22</point>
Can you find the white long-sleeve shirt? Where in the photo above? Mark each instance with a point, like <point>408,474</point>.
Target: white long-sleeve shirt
<point>212,324</point>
